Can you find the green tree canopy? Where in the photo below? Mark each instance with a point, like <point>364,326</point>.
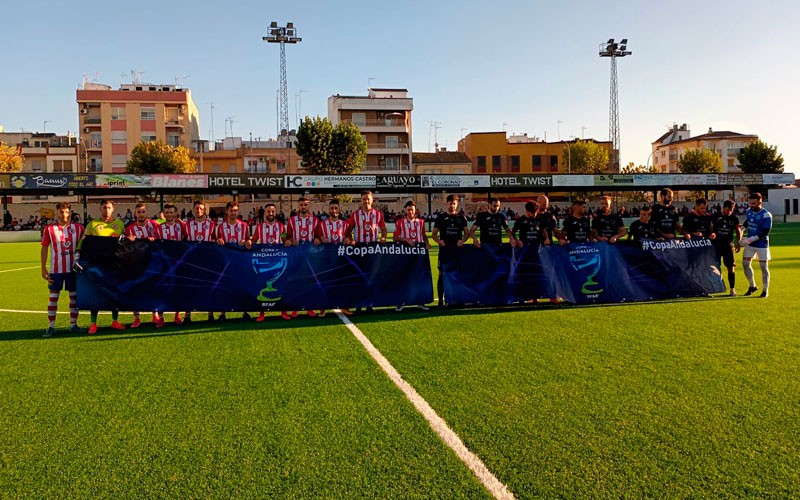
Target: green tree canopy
<point>156,157</point>
<point>11,159</point>
<point>700,161</point>
<point>630,168</point>
<point>329,150</point>
<point>586,157</point>
<point>760,158</point>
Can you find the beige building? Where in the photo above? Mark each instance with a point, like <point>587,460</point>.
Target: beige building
<point>384,118</point>
<point>670,147</point>
<point>113,122</point>
<point>44,152</point>
<point>233,155</point>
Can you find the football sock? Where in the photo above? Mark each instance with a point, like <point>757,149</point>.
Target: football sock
<point>732,279</point>
<point>52,307</point>
<point>73,308</point>
<point>748,272</point>
<point>764,274</point>
<point>440,289</point>
<point>115,315</point>
<point>93,317</point>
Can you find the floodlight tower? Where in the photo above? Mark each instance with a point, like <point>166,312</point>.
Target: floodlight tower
<point>614,50</point>
<point>282,35</point>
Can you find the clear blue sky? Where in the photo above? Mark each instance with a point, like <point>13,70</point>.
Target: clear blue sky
<point>475,65</point>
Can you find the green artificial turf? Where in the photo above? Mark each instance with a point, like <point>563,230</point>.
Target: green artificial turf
<point>693,398</point>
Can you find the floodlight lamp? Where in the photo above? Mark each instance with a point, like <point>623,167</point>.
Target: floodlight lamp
<point>273,24</point>
<point>624,41</point>
<point>290,25</point>
<point>610,41</point>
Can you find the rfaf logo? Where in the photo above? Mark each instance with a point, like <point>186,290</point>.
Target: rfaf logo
<point>272,264</point>
<point>587,260</point>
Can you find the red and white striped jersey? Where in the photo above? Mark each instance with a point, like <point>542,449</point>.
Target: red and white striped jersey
<point>269,234</point>
<point>332,230</point>
<point>366,225</point>
<point>233,233</point>
<point>200,230</point>
<point>148,230</point>
<point>411,229</point>
<point>174,232</point>
<point>302,229</point>
<point>62,240</point>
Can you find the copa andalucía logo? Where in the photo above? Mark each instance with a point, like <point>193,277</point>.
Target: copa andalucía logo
<point>588,261</point>
<point>272,264</point>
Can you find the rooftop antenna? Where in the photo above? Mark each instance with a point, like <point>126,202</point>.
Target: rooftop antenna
<point>505,125</point>
<point>45,125</point>
<point>84,81</point>
<point>212,121</point>
<point>122,78</point>
<point>136,77</point>
<point>230,120</point>
<point>369,82</point>
<point>433,128</point>
<point>179,81</point>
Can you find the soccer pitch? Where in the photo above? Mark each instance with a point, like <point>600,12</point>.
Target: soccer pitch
<point>690,398</point>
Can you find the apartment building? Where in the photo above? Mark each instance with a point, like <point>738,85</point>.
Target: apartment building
<point>113,122</point>
<point>670,147</point>
<point>44,152</point>
<point>384,118</point>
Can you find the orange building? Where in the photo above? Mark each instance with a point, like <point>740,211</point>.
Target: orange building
<point>113,122</point>
<point>494,153</point>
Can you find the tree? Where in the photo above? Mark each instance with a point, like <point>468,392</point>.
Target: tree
<point>156,157</point>
<point>330,151</point>
<point>586,157</point>
<point>760,158</point>
<point>639,169</point>
<point>11,159</point>
<point>700,161</point>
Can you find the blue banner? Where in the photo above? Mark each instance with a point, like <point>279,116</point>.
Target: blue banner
<point>580,273</point>
<point>189,276</point>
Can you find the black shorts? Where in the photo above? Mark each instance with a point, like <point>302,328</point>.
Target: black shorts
<point>725,252</point>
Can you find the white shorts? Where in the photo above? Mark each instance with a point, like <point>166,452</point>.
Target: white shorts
<point>761,253</point>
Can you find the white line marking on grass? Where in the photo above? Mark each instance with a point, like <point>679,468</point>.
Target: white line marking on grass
<point>20,269</point>
<point>450,438</point>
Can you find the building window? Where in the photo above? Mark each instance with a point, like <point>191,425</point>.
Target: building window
<point>392,141</point>
<point>730,162</point>
<point>515,163</point>
<point>232,168</point>
<point>536,161</point>
<point>458,171</point>
<point>119,161</point>
<point>553,163</point>
<point>148,113</point>
<point>36,165</point>
<point>148,137</point>
<point>118,113</point>
<point>119,137</point>
<point>393,162</point>
<point>495,163</point>
<point>62,166</point>
<point>215,168</point>
<point>281,166</point>
<point>481,168</point>
<point>174,140</point>
<point>359,119</point>
<point>95,140</point>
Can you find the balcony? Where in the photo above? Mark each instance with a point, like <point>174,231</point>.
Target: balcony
<point>173,122</point>
<point>93,144</point>
<point>91,121</point>
<point>734,151</point>
<point>382,148</point>
<point>382,169</point>
<point>379,125</point>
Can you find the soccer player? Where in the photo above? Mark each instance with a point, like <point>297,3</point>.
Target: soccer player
<point>607,226</point>
<point>644,228</point>
<point>450,229</point>
<point>665,215</point>
<point>331,231</point>
<point>172,229</point>
<point>234,231</point>
<point>697,223</point>
<point>365,223</point>
<point>528,229</point>
<point>491,223</point>
<point>61,239</point>
<point>725,236</point>
<point>300,229</point>
<point>758,223</point>
<point>200,228</point>
<point>411,231</point>
<point>547,221</point>
<point>576,228</point>
<point>269,232</point>
<point>142,228</point>
<point>109,226</point>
